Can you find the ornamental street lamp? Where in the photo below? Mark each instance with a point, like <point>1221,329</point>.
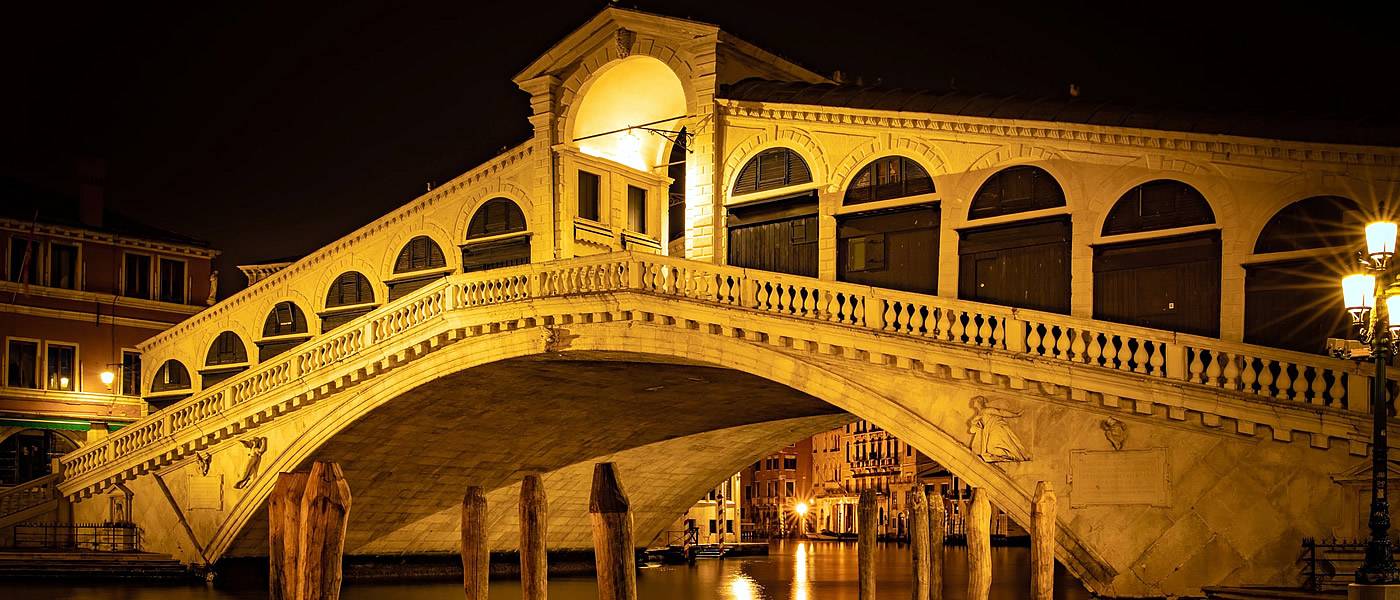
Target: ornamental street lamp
<point>1373,300</point>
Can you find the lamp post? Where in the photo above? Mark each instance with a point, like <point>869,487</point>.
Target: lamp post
<point>1375,312</point>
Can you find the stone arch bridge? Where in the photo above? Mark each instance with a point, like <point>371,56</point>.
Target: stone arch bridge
<point>682,372</point>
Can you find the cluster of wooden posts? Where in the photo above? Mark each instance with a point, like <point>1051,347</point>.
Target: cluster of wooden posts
<point>926,534</point>
<point>308,512</point>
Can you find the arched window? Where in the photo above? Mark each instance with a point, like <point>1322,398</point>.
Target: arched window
<point>284,328</point>
<point>227,357</point>
<point>1022,263</point>
<point>1317,222</point>
<point>1157,205</point>
<point>171,376</point>
<point>227,349</point>
<point>29,454</point>
<point>1170,282</point>
<point>772,169</point>
<point>419,254</point>
<point>497,217</point>
<point>349,296</point>
<point>1021,188</point>
<point>349,289</point>
<point>1293,301</point>
<point>888,178</point>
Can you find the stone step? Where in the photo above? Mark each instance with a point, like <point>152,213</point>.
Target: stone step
<point>93,565</point>
<point>1272,593</point>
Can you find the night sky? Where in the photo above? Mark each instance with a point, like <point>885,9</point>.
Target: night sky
<point>271,129</point>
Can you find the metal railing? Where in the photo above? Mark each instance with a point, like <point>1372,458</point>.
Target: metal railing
<point>96,537</point>
<point>1276,377</point>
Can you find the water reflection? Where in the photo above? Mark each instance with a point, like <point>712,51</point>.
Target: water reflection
<point>795,570</point>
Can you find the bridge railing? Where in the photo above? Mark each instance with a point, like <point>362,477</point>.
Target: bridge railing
<point>1267,373</point>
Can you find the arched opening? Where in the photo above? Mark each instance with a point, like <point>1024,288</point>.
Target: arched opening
<point>29,454</point>
<point>774,234</point>
<point>1021,263</point>
<point>617,102</point>
<point>284,328</point>
<point>498,236</point>
<point>1291,296</point>
<point>896,247</point>
<point>350,295</point>
<point>227,357</point>
<point>675,195</point>
<point>419,263</point>
<point>1169,282</point>
<point>171,384</point>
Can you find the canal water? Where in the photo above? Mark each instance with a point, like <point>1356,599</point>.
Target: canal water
<point>793,570</point>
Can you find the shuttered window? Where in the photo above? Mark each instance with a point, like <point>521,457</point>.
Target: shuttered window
<point>1016,189</point>
<point>497,216</point>
<point>1156,205</point>
<point>227,349</point>
<point>284,319</point>
<point>349,289</point>
<point>772,169</point>
<point>588,184</point>
<point>888,178</point>
<point>1317,222</point>
<point>420,253</point>
<point>636,209</point>
<point>171,376</point>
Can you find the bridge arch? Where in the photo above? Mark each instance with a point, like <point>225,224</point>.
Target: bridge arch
<point>941,438</point>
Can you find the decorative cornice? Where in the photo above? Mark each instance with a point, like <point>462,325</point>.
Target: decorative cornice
<point>1234,146</point>
<point>91,236</point>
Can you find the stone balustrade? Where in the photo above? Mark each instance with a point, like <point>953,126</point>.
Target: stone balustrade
<point>1238,372</point>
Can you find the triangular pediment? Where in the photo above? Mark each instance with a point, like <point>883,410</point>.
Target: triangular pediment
<point>1361,473</point>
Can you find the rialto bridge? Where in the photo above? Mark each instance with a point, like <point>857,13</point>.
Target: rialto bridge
<point>1100,286</point>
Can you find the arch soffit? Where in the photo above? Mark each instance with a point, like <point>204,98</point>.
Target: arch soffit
<point>432,230</point>
<point>923,154</point>
<point>584,73</point>
<point>791,138</point>
<point>483,195</point>
<point>762,362</point>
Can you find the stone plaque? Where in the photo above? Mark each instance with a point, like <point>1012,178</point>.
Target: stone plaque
<point>206,492</point>
<point>1118,477</point>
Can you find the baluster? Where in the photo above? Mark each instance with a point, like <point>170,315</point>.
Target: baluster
<point>1094,354</point>
<point>984,331</point>
<point>1337,395</point>
<point>1231,372</point>
<point>959,327</point>
<point>1157,362</point>
<point>1213,369</point>
<point>916,320</point>
<point>1033,339</point>
<point>1195,366</point>
<point>890,316</point>
<point>1283,384</point>
<point>1076,345</point>
<point>1063,343</point>
<point>1266,377</point>
<point>1318,387</point>
<point>1124,355</point>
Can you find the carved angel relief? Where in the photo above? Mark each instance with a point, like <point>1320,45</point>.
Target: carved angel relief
<point>992,438</point>
<point>256,447</point>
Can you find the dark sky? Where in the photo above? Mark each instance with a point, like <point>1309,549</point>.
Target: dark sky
<point>272,128</point>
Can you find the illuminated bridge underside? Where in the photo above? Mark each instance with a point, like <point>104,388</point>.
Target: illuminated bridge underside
<point>547,367</point>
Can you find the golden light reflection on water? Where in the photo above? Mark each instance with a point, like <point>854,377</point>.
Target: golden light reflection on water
<point>743,587</point>
<point>801,586</point>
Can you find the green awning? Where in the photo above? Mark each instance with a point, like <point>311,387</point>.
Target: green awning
<point>63,424</point>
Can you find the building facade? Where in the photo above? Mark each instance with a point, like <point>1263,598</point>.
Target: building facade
<point>713,519</point>
<point>857,457</point>
<point>82,289</point>
<point>777,492</point>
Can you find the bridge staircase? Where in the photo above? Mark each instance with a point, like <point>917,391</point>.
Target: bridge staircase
<point>42,564</point>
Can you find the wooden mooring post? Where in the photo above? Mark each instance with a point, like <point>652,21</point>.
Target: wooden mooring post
<point>476,557</point>
<point>534,562</point>
<point>865,543</point>
<point>919,541</point>
<point>307,517</point>
<point>979,546</point>
<point>937,537</point>
<point>613,553</point>
<point>1043,542</point>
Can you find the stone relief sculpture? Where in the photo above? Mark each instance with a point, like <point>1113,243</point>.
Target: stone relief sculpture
<point>256,447</point>
<point>1115,432</point>
<point>992,438</point>
<point>204,459</point>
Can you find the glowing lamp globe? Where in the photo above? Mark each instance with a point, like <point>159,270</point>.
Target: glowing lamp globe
<point>801,508</point>
<point>1359,292</point>
<point>107,378</point>
<point>1392,304</point>
<point>1380,239</point>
